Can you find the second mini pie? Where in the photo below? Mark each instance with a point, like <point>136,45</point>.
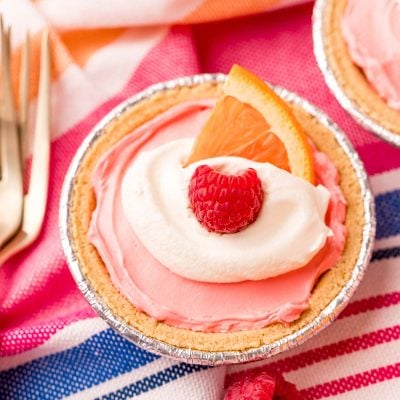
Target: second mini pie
<point>357,44</point>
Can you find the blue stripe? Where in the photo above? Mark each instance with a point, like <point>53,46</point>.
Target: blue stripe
<point>100,358</point>
<point>388,214</point>
<point>154,381</point>
<point>381,254</point>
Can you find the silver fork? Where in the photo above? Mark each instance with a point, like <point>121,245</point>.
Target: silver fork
<point>31,213</point>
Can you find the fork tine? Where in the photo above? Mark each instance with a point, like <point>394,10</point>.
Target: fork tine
<point>35,200</point>
<point>8,101</point>
<point>23,97</point>
<point>11,189</point>
<point>8,104</point>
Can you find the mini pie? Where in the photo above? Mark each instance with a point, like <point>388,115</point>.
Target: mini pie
<point>83,202</point>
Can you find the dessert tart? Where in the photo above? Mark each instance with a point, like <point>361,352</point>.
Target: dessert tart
<point>210,219</point>
<point>362,65</point>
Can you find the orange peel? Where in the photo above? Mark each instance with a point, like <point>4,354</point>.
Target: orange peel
<point>250,120</point>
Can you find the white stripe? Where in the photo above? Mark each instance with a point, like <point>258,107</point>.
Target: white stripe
<point>123,380</point>
<point>385,181</point>
<point>70,336</point>
<point>382,277</point>
<point>385,390</point>
<point>341,329</point>
<point>346,365</point>
<point>207,384</point>
<point>103,13</point>
<point>203,383</point>
<point>392,241</point>
<point>114,63</point>
<point>78,91</point>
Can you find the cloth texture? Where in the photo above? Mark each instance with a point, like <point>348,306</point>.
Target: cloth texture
<point>52,344</point>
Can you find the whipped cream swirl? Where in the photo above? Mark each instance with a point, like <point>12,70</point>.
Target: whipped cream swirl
<point>289,230</point>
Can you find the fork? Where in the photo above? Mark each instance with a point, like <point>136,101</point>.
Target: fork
<point>25,213</point>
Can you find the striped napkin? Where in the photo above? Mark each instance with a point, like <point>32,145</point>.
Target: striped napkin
<point>52,345</point>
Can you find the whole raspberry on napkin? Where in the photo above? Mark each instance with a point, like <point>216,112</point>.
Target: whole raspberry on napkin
<point>261,386</point>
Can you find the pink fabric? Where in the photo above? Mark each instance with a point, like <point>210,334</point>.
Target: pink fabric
<point>38,296</point>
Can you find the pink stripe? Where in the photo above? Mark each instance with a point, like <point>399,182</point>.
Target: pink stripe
<point>316,355</point>
<point>18,340</point>
<point>352,382</point>
<point>37,292</point>
<point>379,157</point>
<point>267,34</point>
<point>371,303</point>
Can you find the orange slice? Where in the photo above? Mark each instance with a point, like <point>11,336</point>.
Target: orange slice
<point>250,120</point>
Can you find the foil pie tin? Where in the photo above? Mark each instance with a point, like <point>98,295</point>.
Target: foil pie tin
<point>319,16</point>
<point>226,357</point>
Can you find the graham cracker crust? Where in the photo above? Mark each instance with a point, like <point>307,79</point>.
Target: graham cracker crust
<point>83,203</point>
<point>350,77</point>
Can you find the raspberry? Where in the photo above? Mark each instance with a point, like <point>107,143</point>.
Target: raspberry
<point>252,387</point>
<point>261,386</point>
<point>225,203</point>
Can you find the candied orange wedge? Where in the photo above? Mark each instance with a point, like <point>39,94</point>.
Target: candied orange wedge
<point>251,121</point>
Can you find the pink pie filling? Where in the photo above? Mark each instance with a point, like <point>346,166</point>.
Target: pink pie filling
<point>208,307</point>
